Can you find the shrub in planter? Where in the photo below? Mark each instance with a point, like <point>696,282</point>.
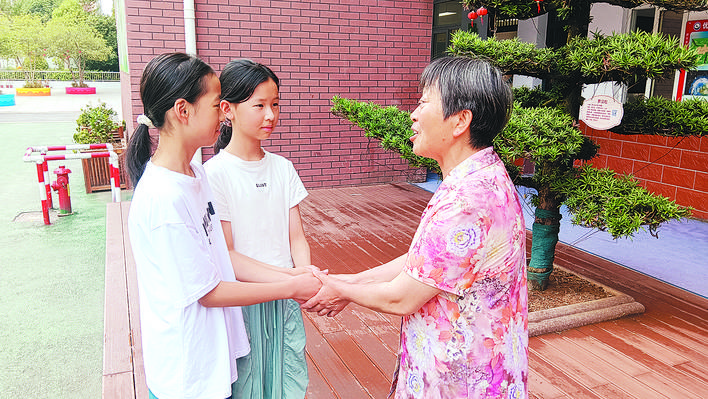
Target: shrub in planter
<point>96,124</point>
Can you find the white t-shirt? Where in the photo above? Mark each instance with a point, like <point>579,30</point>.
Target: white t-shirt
<point>256,197</point>
<point>180,253</point>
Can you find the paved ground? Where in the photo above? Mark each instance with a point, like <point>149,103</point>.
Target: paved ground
<point>51,277</point>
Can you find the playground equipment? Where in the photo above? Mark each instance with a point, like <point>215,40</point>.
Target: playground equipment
<point>41,156</point>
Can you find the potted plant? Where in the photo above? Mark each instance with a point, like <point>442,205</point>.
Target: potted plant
<point>97,125</point>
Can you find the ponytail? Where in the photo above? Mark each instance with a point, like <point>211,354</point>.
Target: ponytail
<point>224,137</point>
<point>138,153</point>
<point>165,79</point>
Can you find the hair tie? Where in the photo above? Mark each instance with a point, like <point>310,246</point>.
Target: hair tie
<point>144,120</point>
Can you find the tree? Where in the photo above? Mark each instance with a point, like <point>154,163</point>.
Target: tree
<point>74,40</point>
<point>105,25</point>
<point>543,129</point>
<point>27,44</point>
<point>5,37</point>
<point>41,8</point>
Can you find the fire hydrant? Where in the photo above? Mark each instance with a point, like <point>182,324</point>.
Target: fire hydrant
<point>61,186</point>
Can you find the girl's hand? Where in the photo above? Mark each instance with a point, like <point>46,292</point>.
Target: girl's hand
<point>309,269</point>
<point>306,286</point>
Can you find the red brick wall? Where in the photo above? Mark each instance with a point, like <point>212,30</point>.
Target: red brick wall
<point>372,51</point>
<point>676,168</point>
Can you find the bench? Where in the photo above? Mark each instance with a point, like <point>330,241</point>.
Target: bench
<point>123,371</point>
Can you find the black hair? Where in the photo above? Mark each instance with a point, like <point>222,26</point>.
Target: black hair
<point>166,79</point>
<point>471,84</point>
<point>239,80</point>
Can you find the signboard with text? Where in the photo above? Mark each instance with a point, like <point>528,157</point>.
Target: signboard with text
<point>694,84</point>
<point>601,112</point>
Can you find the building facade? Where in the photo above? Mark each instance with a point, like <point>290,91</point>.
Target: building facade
<point>375,51</point>
<point>370,51</point>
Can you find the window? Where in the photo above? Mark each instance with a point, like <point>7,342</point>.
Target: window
<point>448,17</point>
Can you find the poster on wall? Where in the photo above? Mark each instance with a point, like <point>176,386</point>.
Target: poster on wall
<point>694,84</point>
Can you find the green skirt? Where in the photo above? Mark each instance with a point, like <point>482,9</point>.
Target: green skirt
<point>276,367</point>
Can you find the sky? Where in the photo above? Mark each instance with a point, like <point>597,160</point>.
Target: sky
<point>106,6</point>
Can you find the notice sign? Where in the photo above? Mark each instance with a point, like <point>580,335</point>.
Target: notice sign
<point>601,112</point>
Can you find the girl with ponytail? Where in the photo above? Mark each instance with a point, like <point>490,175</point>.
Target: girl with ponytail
<point>190,285</point>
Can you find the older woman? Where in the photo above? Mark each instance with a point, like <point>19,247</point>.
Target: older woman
<point>462,285</point>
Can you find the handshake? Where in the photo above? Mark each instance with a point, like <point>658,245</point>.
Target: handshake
<point>317,291</point>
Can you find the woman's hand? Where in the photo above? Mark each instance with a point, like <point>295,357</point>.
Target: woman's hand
<point>328,300</point>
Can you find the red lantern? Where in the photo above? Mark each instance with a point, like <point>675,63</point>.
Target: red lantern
<point>472,15</point>
<point>481,11</point>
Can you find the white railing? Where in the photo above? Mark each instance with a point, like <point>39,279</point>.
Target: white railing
<point>89,76</point>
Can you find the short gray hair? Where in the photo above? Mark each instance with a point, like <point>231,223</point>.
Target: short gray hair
<point>471,84</point>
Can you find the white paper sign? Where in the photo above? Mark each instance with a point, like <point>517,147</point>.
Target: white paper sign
<point>601,112</point>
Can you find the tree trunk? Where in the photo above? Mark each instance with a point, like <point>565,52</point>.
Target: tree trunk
<point>545,237</point>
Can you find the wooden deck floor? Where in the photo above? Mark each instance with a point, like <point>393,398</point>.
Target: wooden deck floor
<point>662,353</point>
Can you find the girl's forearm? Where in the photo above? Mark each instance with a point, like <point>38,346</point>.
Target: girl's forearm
<point>300,252</point>
<point>251,270</point>
<point>236,293</point>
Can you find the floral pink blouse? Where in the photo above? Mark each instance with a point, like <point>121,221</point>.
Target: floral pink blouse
<point>471,340</point>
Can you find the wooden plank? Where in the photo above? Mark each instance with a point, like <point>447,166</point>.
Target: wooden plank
<point>118,386</point>
<point>116,338</point>
<point>699,372</point>
<point>680,325</point>
<point>603,351</point>
<point>333,370</point>
<point>668,386</point>
<point>386,329</point>
<point>380,354</point>
<point>539,387</point>
<point>574,365</point>
<point>611,372</point>
<point>324,325</point>
<point>693,350</point>
<point>318,387</point>
<point>647,346</point>
<point>359,227</point>
<point>369,376</point>
<point>562,381</point>
<point>662,375</point>
<point>141,389</point>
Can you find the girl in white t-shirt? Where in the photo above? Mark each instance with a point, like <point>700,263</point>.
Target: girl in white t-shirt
<point>192,329</point>
<point>257,195</point>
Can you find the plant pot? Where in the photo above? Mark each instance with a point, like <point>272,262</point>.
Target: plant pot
<point>80,90</point>
<point>30,91</point>
<point>7,100</point>
<point>97,175</point>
